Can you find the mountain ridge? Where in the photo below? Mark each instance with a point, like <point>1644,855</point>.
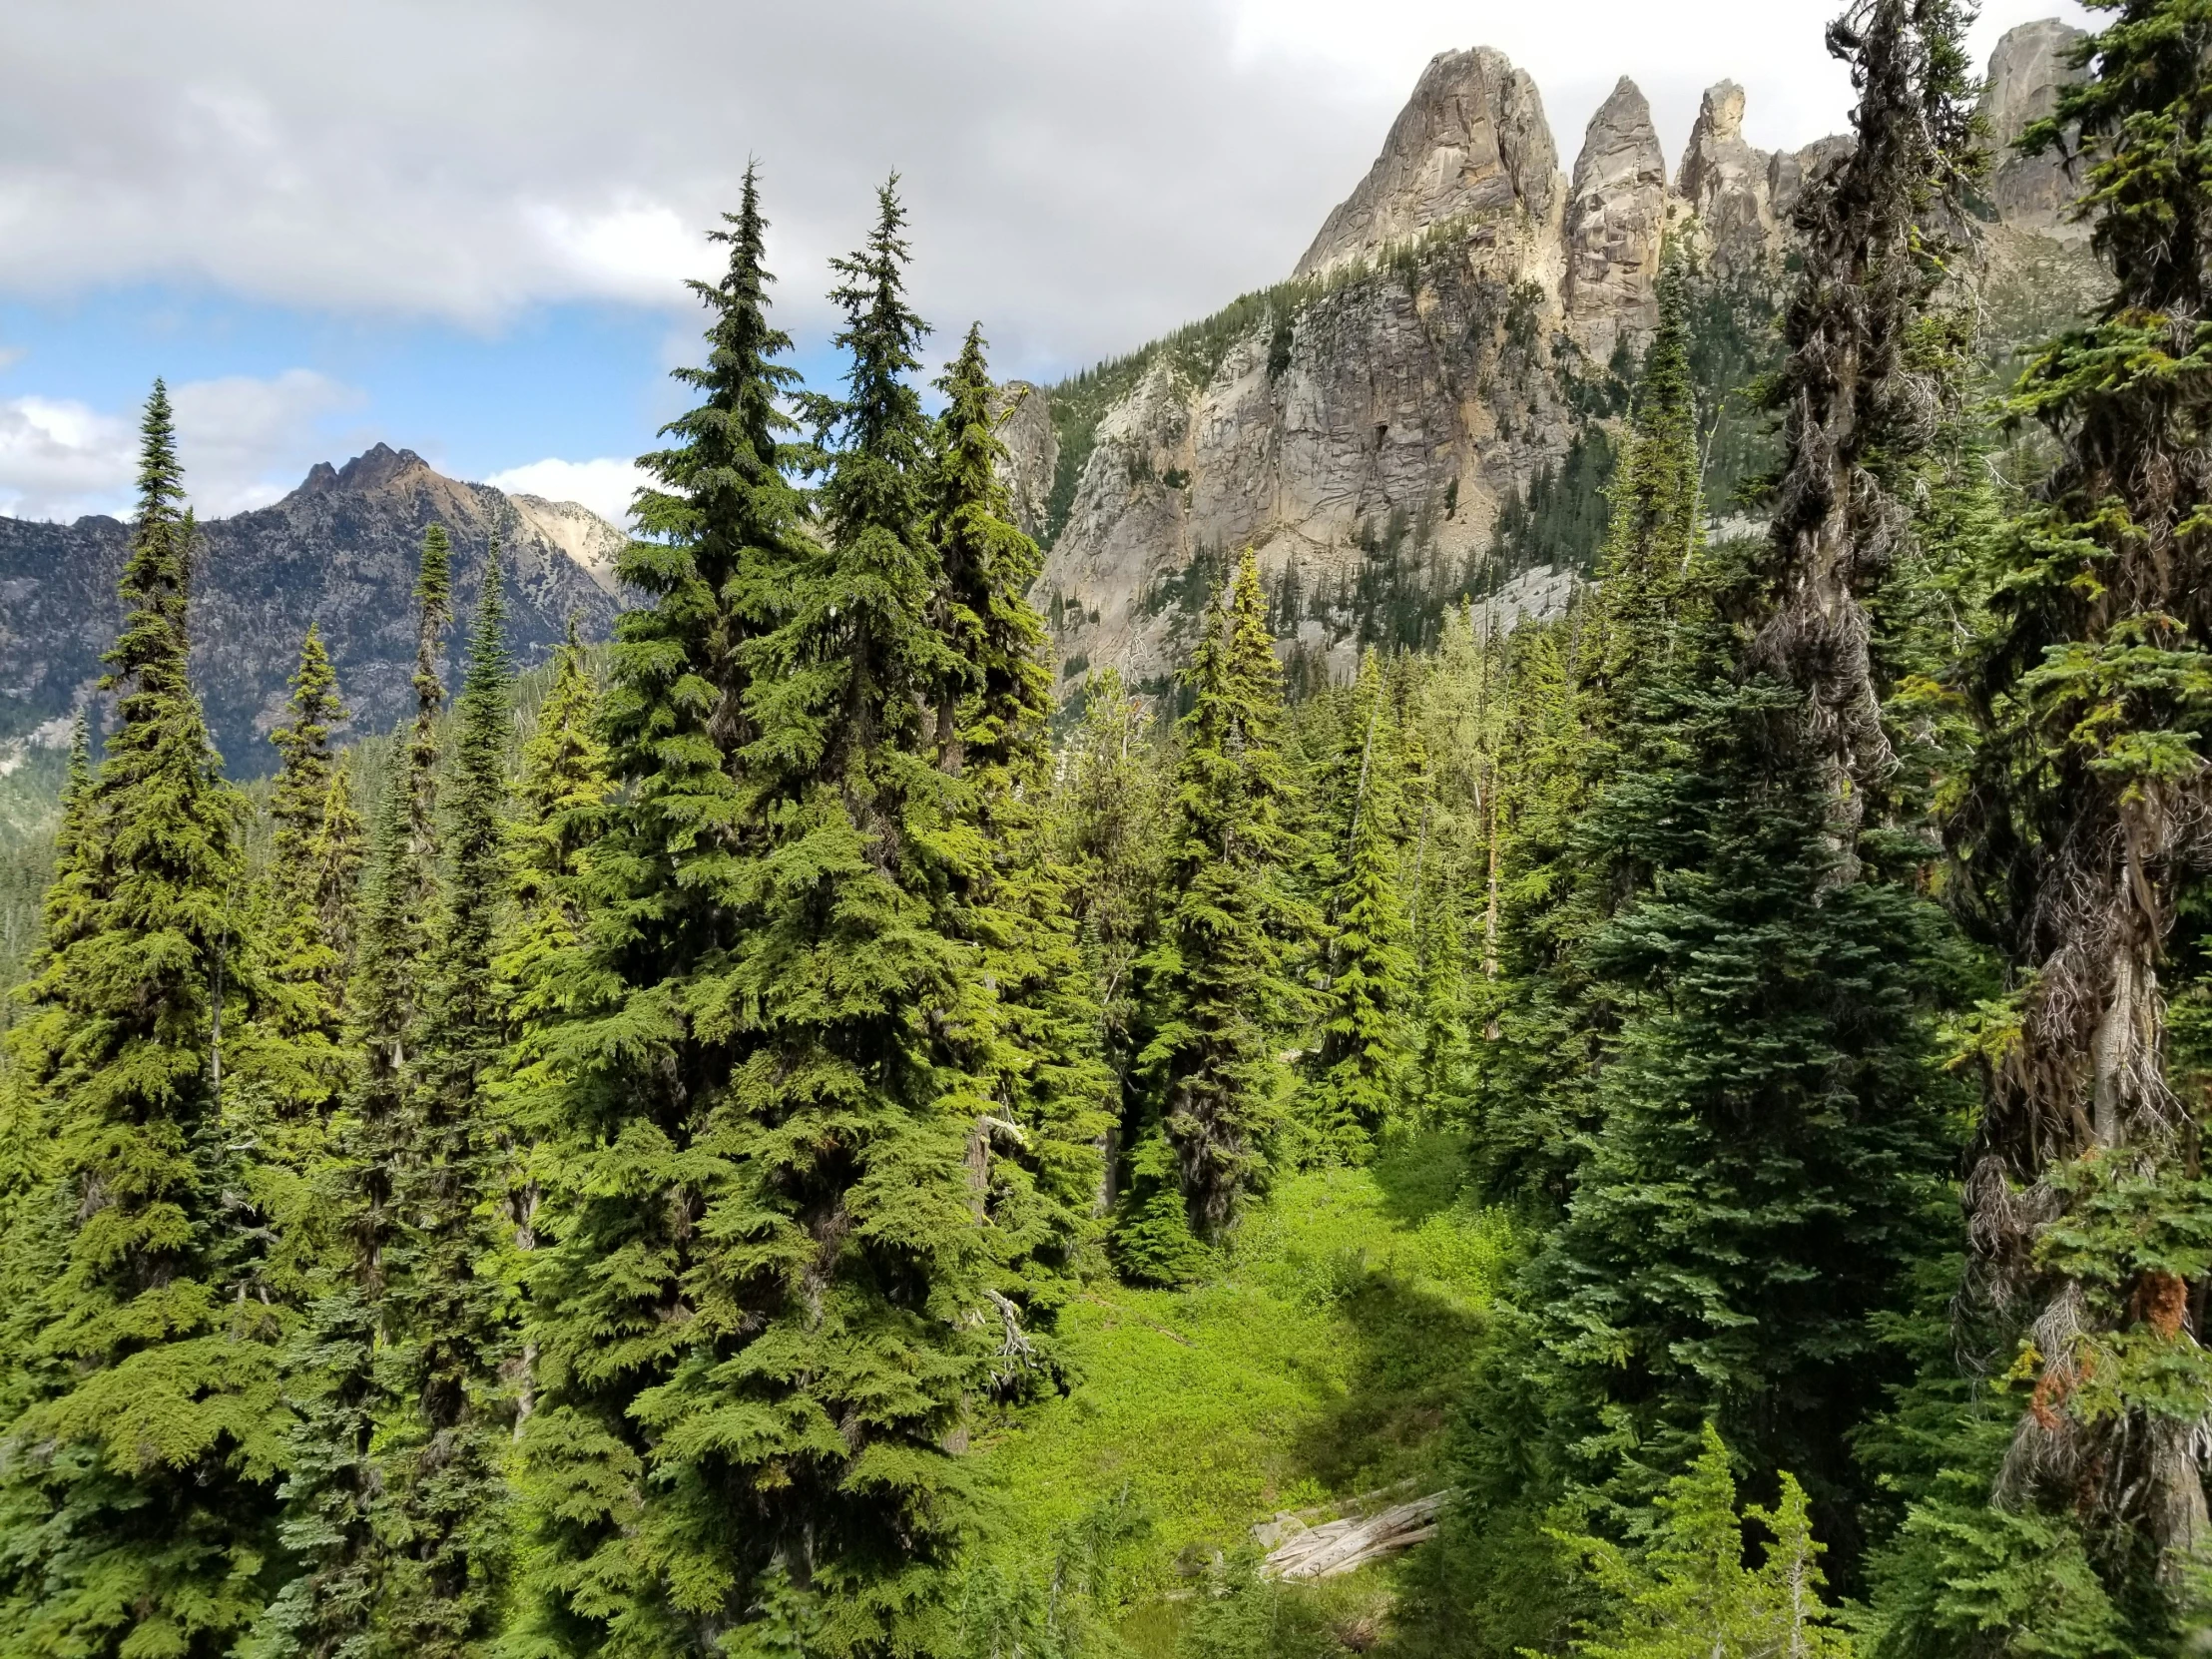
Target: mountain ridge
<point>1457,342</point>
<point>339,550</point>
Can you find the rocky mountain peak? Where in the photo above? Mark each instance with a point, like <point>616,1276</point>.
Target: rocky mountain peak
<point>1617,217</point>
<point>340,550</point>
<point>1725,181</point>
<point>2028,67</point>
<point>1472,139</point>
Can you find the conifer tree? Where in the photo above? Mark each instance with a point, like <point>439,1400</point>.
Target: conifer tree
<point>838,1244</point>
<point>1688,1594</point>
<point>339,1523</point>
<point>340,1383</point>
<point>31,1230</point>
<point>744,718</point>
<point>146,1464</point>
<point>1364,997</point>
<point>1578,709</point>
<point>1855,413</point>
<point>2084,824</point>
<point>1034,1153</point>
<point>1109,815</point>
<point>1215,979</point>
<point>447,1323</point>
<point>295,1038</point>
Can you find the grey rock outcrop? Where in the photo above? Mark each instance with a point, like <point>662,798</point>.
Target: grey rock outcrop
<point>1365,437</point>
<point>1472,139</point>
<point>1724,181</point>
<point>576,530</point>
<point>1616,222</point>
<point>340,550</point>
<point>2028,67</point>
<point>1033,452</point>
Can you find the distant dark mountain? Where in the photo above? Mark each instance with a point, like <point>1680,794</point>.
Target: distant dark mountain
<point>340,550</point>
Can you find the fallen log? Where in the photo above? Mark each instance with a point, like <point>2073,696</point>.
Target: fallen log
<point>1301,1552</point>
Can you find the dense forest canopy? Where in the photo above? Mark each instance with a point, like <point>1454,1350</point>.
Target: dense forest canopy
<point>1670,1130</point>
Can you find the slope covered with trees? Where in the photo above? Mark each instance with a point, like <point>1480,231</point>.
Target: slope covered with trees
<point>1671,1130</point>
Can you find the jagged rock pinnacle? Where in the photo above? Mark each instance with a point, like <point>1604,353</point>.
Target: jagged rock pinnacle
<point>1616,220</point>
<point>1472,139</point>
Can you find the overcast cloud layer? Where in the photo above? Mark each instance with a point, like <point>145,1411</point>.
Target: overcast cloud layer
<point>1082,174</point>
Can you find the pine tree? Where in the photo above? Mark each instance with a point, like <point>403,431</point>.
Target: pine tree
<point>449,1328</point>
<point>760,1134</point>
<point>840,1258</point>
<point>1855,413</point>
<point>1577,708</point>
<point>31,1051</point>
<point>1108,822</point>
<point>293,1048</point>
<point>1215,979</point>
<point>341,1381</point>
<point>146,1464</point>
<point>1361,1064</point>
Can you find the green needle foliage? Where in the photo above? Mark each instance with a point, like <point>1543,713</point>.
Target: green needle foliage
<point>140,1480</point>
<point>1216,975</point>
<point>1034,1152</point>
<point>449,1328</point>
<point>842,1265</point>
<point>628,1532</point>
<point>1366,996</point>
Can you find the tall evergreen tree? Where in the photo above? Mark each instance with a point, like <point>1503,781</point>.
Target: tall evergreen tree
<point>1108,819</point>
<point>145,1465</point>
<point>1361,1064</point>
<point>1856,412</point>
<point>1215,977</point>
<point>1578,709</point>
<point>339,1523</point>
<point>1034,1153</point>
<point>2085,828</point>
<point>633,1520</point>
<point>448,1325</point>
<point>841,1262</point>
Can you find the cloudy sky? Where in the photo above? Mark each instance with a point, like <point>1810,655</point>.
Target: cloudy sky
<point>461,226</point>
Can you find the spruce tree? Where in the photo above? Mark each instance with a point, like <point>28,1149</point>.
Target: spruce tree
<point>293,1042</point>
<point>1215,980</point>
<point>146,1464</point>
<point>448,1324</point>
<point>631,1525</point>
<point>1856,414</point>
<point>1577,708</point>
<point>341,1381</point>
<point>1108,816</point>
<point>840,1260</point>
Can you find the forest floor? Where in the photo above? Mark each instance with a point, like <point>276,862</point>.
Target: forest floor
<point>1322,1362</point>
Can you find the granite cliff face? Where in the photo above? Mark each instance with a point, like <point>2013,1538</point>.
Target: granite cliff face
<point>1445,365</point>
<point>2025,73</point>
<point>340,550</point>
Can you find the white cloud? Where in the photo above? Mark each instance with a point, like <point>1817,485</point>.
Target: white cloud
<point>603,485</point>
<point>243,443</point>
<point>1082,175</point>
